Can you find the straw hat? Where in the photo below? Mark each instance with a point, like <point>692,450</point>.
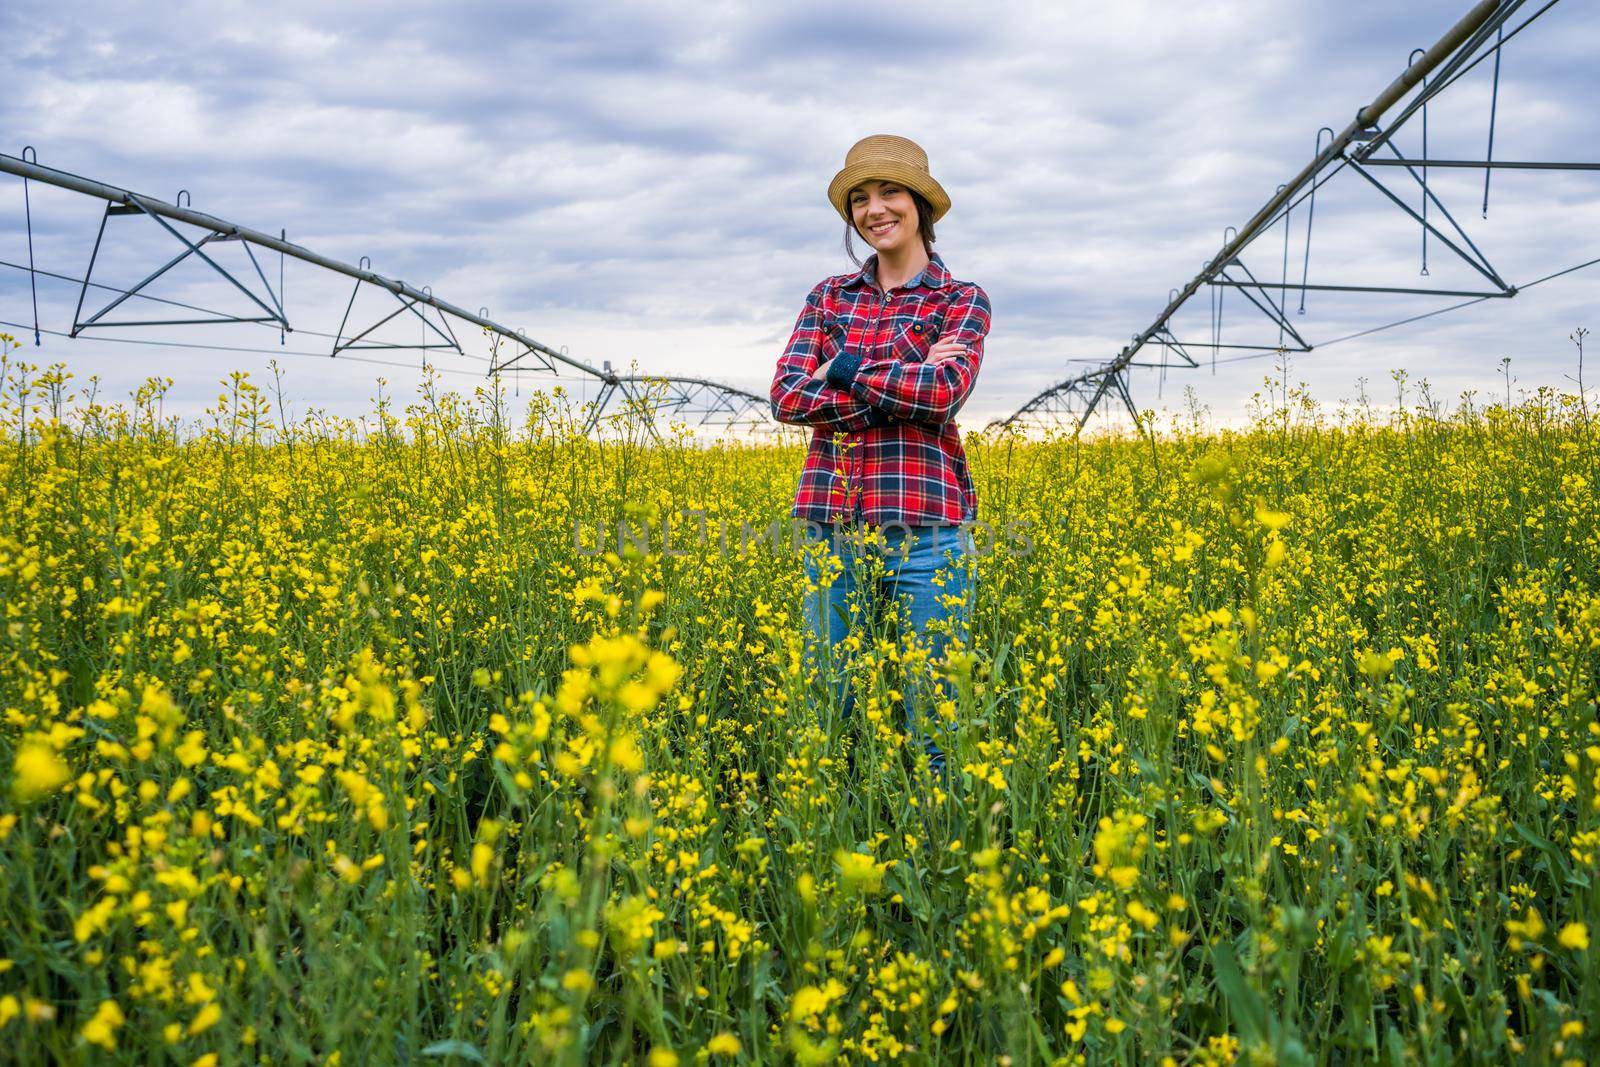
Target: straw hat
<point>887,158</point>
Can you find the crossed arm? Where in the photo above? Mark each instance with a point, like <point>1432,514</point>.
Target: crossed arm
<point>860,393</point>
<point>929,392</point>
<point>800,399</point>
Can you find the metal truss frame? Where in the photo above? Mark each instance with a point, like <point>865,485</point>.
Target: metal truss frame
<point>1460,49</point>
<point>1466,44</point>
<point>136,205</point>
<point>358,342</point>
<point>715,402</point>
<point>499,366</point>
<point>1069,403</point>
<point>682,395</point>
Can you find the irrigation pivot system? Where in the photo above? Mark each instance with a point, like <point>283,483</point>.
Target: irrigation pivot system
<point>674,395</point>
<point>1479,35</point>
<point>1364,146</point>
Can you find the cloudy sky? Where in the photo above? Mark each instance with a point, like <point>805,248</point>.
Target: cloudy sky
<point>646,183</point>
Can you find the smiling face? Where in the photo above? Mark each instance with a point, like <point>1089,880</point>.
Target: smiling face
<point>884,215</point>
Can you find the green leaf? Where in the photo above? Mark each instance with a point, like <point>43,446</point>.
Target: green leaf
<point>1248,1011</point>
<point>1042,1043</point>
<point>909,886</point>
<point>1557,863</point>
<point>456,1047</point>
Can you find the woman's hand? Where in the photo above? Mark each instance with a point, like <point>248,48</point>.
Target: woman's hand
<point>946,348</point>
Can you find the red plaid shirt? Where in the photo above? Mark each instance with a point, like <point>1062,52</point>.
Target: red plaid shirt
<point>884,445</point>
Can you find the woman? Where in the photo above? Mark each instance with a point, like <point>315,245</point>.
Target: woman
<point>879,363</point>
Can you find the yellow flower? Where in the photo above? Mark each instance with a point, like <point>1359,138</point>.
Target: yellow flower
<point>102,1028</point>
<point>1272,520</point>
<point>163,712</point>
<point>625,754</point>
<point>806,887</point>
<point>724,1044</point>
<point>192,752</point>
<point>810,1000</point>
<point>632,922</point>
<point>199,992</point>
<point>204,1019</point>
<point>94,919</point>
<point>1276,554</point>
<point>38,771</point>
<point>1375,664</point>
<point>482,856</point>
<point>663,1057</point>
<point>859,873</point>
<point>1532,928</point>
<point>1574,936</point>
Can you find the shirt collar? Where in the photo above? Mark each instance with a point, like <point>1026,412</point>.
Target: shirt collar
<point>933,276</point>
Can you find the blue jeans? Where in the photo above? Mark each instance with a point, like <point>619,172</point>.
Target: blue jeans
<point>913,557</point>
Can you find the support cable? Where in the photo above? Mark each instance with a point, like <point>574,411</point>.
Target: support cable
<point>725,394</point>
<point>323,356</point>
<point>1428,314</point>
<point>179,303</point>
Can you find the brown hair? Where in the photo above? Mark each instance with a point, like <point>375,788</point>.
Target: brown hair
<point>924,223</point>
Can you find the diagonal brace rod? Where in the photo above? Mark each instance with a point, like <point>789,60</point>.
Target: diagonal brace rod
<point>1482,268</point>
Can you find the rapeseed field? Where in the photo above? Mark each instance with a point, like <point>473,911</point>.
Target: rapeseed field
<point>369,741</point>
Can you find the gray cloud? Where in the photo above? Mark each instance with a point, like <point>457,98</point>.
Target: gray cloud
<point>647,182</point>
